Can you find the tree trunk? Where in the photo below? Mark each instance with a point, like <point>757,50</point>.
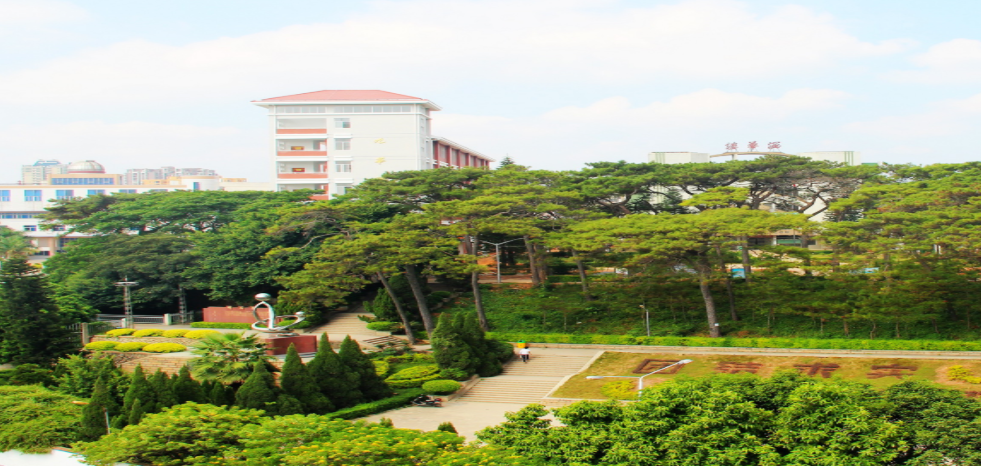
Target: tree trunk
<point>542,267</point>
<point>747,267</point>
<point>844,326</point>
<point>412,275</point>
<point>398,308</point>
<point>582,276</point>
<point>475,284</point>
<point>532,264</point>
<point>731,294</point>
<point>703,285</point>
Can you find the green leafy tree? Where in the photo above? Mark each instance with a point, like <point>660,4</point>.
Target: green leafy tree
<point>296,382</point>
<point>259,391</point>
<point>31,328</point>
<point>34,419</point>
<point>13,244</point>
<point>77,375</point>
<point>228,358</point>
<point>370,384</point>
<point>338,384</point>
<point>450,348</point>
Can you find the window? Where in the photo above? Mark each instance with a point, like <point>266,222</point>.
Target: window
<point>342,144</point>
<point>58,228</point>
<point>62,242</point>
<point>302,109</point>
<point>93,192</point>
<point>343,167</point>
<point>373,109</point>
<point>342,122</point>
<point>17,215</point>
<point>77,181</point>
<point>64,194</point>
<point>30,227</point>
<point>41,253</point>
<point>127,191</point>
<point>32,195</point>
<point>4,195</point>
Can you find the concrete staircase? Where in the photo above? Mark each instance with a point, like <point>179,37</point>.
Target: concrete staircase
<point>525,383</point>
<point>346,323</point>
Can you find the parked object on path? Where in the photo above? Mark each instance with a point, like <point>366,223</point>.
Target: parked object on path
<point>427,401</point>
<point>525,353</point>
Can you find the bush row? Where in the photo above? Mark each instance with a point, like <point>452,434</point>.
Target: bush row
<point>413,376</point>
<point>803,343</point>
<point>154,332</point>
<point>961,373</point>
<point>135,346</point>
<point>441,387</point>
<point>243,325</point>
<point>366,409</point>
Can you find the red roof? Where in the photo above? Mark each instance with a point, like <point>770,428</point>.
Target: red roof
<point>320,96</point>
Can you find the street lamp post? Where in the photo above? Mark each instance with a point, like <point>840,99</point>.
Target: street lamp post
<point>126,284</point>
<point>497,255</point>
<point>647,319</point>
<point>640,379</point>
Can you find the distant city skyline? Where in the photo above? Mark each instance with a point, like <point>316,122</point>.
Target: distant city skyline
<point>551,84</point>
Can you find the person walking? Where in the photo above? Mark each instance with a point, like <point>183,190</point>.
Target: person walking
<point>525,353</point>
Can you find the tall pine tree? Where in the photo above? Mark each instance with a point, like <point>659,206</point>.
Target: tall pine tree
<point>333,378</point>
<point>259,390</point>
<point>96,414</point>
<point>295,380</point>
<point>449,347</point>
<point>369,382</point>
<point>138,396</point>
<point>187,389</point>
<point>31,330</point>
<point>163,391</point>
<point>469,328</point>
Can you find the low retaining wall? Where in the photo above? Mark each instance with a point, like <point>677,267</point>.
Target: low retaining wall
<point>188,342</point>
<point>769,351</point>
<point>240,314</point>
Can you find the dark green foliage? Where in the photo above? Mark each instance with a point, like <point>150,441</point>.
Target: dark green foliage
<point>221,395</point>
<point>386,422</point>
<point>34,419</point>
<point>163,392</point>
<point>27,374</point>
<point>453,374</point>
<point>366,409</point>
<point>286,405</point>
<point>137,412</point>
<point>450,348</point>
<point>138,397</point>
<point>446,427</point>
<point>31,328</point>
<point>76,375</point>
<point>187,389</point>
<point>296,381</point>
<point>488,363</point>
<point>94,414</point>
<point>258,391</point>
<point>336,382</point>
<point>384,308</point>
<point>371,385</point>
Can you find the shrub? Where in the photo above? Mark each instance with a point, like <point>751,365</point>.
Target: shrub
<point>199,334</point>
<point>441,387</point>
<point>453,374</point>
<point>384,326</point>
<point>232,325</point>
<point>33,419</point>
<point>130,346</point>
<point>413,376</point>
<point>366,409</point>
<point>961,373</point>
<point>424,357</point>
<point>176,333</point>
<point>620,390</point>
<point>101,345</point>
<point>381,367</point>
<point>148,332</point>
<point>120,332</point>
<point>164,348</point>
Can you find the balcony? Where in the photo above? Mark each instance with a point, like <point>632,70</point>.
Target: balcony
<point>291,153</point>
<point>301,131</point>
<point>301,176</point>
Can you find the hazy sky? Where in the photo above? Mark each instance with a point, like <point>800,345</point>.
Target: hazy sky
<point>554,84</point>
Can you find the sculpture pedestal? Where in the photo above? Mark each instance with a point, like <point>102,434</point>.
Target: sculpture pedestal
<point>276,345</point>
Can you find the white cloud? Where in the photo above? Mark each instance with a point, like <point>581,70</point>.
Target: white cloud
<point>402,46</point>
<point>138,144</point>
<point>955,61</point>
<point>33,12</point>
<point>944,118</point>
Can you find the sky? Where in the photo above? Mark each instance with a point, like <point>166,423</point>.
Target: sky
<point>552,84</point>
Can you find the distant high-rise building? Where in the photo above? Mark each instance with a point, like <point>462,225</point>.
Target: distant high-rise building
<point>38,172</point>
<point>139,175</point>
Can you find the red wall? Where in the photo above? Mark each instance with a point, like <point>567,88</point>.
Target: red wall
<point>232,314</point>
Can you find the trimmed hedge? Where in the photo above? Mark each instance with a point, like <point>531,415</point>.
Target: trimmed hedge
<point>441,387</point>
<point>381,367</point>
<point>148,332</point>
<point>382,326</point>
<point>199,334</point>
<point>164,348</point>
<point>120,332</point>
<point>176,333</point>
<point>367,409</point>
<point>241,325</point>
<point>101,345</point>
<point>727,342</point>
<point>413,376</point>
<point>130,346</point>
<point>454,374</point>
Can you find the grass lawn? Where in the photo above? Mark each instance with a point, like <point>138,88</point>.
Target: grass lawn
<point>858,369</point>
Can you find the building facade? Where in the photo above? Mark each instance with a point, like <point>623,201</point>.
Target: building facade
<point>332,140</point>
<point>40,170</point>
<point>846,157</point>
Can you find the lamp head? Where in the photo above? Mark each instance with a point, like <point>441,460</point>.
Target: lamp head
<point>263,296</point>
<point>594,377</point>
<point>684,361</point>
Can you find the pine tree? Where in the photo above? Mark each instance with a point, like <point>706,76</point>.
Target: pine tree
<point>295,380</point>
<point>369,382</point>
<point>163,392</point>
<point>331,376</point>
<point>286,405</point>
<point>187,389</point>
<point>258,391</point>
<point>94,414</point>
<point>506,161</point>
<point>220,395</point>
<point>139,389</point>
<point>136,414</point>
<point>31,329</point>
<point>486,363</point>
<point>449,348</point>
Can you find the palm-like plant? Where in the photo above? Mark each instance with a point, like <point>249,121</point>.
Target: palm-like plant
<point>228,358</point>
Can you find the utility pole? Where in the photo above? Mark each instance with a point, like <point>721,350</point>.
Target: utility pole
<point>126,284</point>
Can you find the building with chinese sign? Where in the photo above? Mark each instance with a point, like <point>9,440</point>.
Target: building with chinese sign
<point>332,140</point>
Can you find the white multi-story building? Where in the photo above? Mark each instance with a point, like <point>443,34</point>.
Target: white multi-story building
<point>846,157</point>
<point>139,175</point>
<point>21,205</point>
<point>40,170</point>
<point>332,140</point>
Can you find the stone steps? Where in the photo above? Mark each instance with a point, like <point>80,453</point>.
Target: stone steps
<point>547,365</point>
<point>508,390</point>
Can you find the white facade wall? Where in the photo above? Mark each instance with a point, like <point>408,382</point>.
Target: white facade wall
<point>846,157</point>
<point>678,157</point>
